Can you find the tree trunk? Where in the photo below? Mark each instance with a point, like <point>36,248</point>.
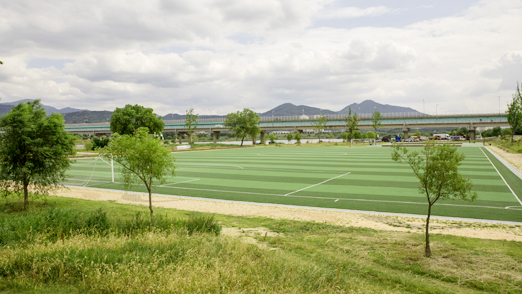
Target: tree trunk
<point>150,203</point>
<point>427,250</point>
<point>26,194</point>
<point>243,138</point>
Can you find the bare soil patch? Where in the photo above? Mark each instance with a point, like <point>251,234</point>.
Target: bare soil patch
<point>514,159</point>
<point>378,222</point>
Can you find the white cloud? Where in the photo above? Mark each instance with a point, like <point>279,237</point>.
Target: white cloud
<point>353,12</point>
<point>174,55</point>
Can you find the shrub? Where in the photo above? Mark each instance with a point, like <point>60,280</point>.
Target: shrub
<point>99,221</point>
<point>202,224</point>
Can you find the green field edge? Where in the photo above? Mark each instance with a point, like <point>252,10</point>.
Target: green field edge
<point>512,180</point>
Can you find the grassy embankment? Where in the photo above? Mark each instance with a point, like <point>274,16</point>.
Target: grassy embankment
<point>65,245</point>
<point>515,147</point>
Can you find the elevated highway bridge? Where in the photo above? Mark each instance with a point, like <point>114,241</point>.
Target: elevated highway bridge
<point>405,121</point>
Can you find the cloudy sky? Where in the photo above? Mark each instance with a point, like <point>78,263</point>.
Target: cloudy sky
<point>218,56</point>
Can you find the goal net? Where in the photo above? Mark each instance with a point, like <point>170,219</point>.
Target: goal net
<point>90,171</point>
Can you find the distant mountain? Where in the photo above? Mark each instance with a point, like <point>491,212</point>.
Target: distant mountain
<point>175,116</point>
<point>7,106</point>
<point>368,106</point>
<point>289,109</point>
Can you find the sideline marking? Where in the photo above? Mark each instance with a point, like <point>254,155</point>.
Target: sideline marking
<point>316,184</point>
<point>301,153</point>
<point>501,176</point>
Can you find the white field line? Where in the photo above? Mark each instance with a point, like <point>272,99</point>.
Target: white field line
<point>166,185</point>
<point>301,153</point>
<point>277,169</point>
<point>502,177</point>
<point>211,165</point>
<point>317,184</point>
<point>506,163</point>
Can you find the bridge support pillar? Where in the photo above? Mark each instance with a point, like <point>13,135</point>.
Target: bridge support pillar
<point>405,132</point>
<point>215,135</point>
<point>472,133</point>
<point>262,137</point>
<point>180,137</point>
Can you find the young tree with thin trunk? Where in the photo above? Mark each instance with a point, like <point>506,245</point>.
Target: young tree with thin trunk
<point>34,149</point>
<point>352,122</point>
<point>376,121</point>
<point>191,123</point>
<point>514,112</point>
<point>289,137</point>
<point>298,137</point>
<point>143,159</point>
<point>319,125</point>
<point>436,167</point>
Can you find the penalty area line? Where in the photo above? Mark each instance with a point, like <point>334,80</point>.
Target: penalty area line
<point>317,184</point>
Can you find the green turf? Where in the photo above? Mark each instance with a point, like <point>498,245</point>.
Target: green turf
<point>334,177</point>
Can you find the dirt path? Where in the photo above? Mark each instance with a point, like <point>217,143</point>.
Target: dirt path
<point>379,222</point>
<point>514,159</point>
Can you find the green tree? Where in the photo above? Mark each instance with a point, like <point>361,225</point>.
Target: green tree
<point>417,133</point>
<point>497,131</point>
<point>298,137</point>
<point>191,123</point>
<point>357,134</point>
<point>272,138</point>
<point>370,135</point>
<point>331,136</point>
<point>289,137</point>
<point>345,136</point>
<point>514,112</point>
<point>376,121</point>
<point>34,149</point>
<point>319,125</point>
<point>99,143</point>
<point>436,167</point>
<point>125,121</point>
<point>506,133</point>
<point>143,159</point>
<point>352,122</point>
<point>243,123</point>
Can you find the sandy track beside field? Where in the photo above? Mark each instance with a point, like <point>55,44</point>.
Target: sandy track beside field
<point>514,159</point>
<point>379,222</point>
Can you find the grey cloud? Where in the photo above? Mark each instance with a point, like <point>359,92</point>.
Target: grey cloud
<point>508,69</point>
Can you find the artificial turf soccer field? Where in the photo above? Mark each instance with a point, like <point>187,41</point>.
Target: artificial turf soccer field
<point>363,178</point>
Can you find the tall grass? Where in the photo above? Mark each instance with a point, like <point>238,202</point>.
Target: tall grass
<point>99,247</point>
<point>53,223</point>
